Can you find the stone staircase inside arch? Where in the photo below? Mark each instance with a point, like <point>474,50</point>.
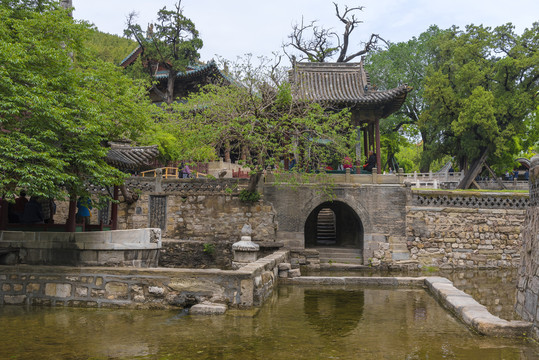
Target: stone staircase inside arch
<point>326,231</point>
<point>339,255</point>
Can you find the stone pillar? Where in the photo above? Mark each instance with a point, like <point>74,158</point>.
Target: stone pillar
<point>245,251</point>
<point>158,180</point>
<point>527,303</point>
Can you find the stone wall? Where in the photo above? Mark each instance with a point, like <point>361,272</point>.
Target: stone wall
<point>195,209</point>
<point>471,230</point>
<point>527,304</point>
<point>196,254</point>
<point>380,208</point>
<point>139,288</point>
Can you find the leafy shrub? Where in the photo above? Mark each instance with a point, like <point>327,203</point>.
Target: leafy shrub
<point>249,196</point>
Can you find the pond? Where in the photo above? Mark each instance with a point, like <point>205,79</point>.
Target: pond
<point>295,323</point>
<point>495,289</point>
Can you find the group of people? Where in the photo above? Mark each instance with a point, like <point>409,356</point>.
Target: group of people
<point>31,211</point>
<point>184,171</point>
<point>39,210</point>
<point>348,163</point>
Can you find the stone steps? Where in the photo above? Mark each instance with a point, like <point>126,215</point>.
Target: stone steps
<point>326,233</point>
<point>340,255</point>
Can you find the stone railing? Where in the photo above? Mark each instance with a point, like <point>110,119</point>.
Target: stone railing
<point>187,186</point>
<point>487,200</point>
<point>433,180</point>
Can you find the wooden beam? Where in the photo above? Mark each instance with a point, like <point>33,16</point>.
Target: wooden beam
<point>474,170</point>
<point>498,180</point>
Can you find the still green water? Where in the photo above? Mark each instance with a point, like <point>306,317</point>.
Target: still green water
<point>296,323</point>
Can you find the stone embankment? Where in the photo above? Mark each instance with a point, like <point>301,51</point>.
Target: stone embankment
<point>465,230</point>
<point>137,288</point>
<point>527,304</point>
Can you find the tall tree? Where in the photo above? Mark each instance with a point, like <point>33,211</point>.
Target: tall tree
<point>171,44</point>
<point>405,63</point>
<point>480,91</point>
<point>59,105</point>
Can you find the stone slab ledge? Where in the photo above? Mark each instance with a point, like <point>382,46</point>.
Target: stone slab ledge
<point>473,314</point>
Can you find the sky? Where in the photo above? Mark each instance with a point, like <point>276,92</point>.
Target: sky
<point>232,28</point>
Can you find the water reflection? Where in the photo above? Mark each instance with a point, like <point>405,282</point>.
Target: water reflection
<point>296,323</point>
<point>333,312</point>
<point>495,289</point>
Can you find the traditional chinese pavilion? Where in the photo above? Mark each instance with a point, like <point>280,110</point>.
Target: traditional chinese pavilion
<point>347,85</point>
<point>190,80</point>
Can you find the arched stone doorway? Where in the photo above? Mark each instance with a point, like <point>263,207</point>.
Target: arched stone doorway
<point>333,224</point>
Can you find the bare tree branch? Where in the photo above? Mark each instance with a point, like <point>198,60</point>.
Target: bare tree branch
<point>324,43</point>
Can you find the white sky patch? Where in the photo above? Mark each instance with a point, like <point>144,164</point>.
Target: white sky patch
<point>236,27</point>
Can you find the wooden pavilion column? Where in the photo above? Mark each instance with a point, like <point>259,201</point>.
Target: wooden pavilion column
<point>378,155</point>
<point>366,143</point>
<point>114,209</point>
<point>71,220</point>
<point>372,136</point>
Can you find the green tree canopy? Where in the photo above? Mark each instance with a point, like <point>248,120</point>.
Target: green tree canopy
<point>256,119</point>
<point>172,44</point>
<point>480,92</point>
<point>59,105</point>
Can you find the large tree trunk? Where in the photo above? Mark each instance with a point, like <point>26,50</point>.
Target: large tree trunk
<point>254,179</point>
<point>129,197</point>
<point>474,170</point>
<point>170,86</point>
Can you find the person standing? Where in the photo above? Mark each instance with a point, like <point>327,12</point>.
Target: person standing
<point>18,208</point>
<point>84,205</point>
<point>33,214</point>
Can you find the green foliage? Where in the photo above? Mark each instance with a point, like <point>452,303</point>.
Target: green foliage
<point>172,43</point>
<point>249,196</point>
<point>59,105</point>
<point>473,92</point>
<point>480,93</point>
<point>261,123</point>
<point>110,48</point>
<point>209,248</point>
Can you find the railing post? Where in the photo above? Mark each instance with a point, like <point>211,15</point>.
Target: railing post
<point>347,175</point>
<point>374,175</point>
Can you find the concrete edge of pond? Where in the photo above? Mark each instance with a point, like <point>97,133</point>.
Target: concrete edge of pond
<point>462,305</point>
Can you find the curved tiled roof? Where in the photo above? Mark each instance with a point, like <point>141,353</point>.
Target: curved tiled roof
<point>129,59</point>
<point>343,85</point>
<point>209,69</point>
<point>131,157</point>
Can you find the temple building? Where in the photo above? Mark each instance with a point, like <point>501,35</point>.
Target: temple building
<point>188,81</point>
<point>347,85</point>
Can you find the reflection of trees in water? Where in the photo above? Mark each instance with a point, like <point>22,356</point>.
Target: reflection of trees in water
<point>334,312</point>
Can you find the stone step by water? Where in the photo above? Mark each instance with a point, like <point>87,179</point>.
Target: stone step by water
<point>340,255</point>
<point>399,251</point>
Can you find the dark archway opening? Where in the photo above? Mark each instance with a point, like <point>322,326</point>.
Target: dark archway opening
<point>335,224</point>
